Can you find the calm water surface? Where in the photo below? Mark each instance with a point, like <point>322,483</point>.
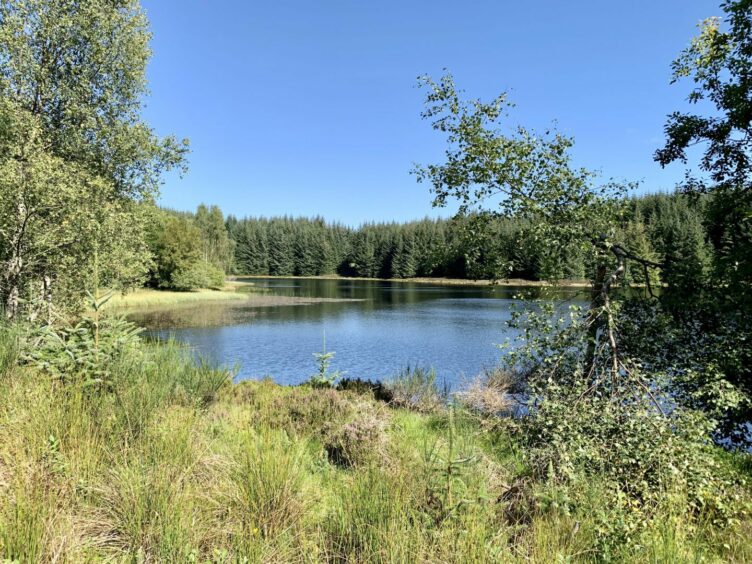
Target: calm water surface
<point>382,328</point>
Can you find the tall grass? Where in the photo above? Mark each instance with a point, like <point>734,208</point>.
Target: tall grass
<point>417,388</point>
<point>143,298</point>
<point>9,348</point>
<point>174,464</point>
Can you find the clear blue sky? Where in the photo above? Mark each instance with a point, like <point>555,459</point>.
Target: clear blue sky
<point>303,108</point>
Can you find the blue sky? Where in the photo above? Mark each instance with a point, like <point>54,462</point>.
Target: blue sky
<point>306,108</point>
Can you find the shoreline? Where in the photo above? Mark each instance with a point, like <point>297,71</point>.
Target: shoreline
<point>148,298</point>
<point>151,298</point>
<point>511,282</point>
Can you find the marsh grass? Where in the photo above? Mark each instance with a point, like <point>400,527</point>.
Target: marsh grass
<point>417,388</point>
<point>144,297</point>
<point>174,464</point>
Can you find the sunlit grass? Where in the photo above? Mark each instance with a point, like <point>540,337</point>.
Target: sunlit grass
<point>176,464</point>
<point>145,297</point>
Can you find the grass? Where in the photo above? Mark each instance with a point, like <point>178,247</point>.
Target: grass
<point>146,297</point>
<point>176,464</point>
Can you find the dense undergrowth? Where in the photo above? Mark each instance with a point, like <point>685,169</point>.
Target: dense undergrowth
<point>162,459</point>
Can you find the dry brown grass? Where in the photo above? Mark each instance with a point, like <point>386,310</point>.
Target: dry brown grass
<point>361,441</point>
<point>488,394</point>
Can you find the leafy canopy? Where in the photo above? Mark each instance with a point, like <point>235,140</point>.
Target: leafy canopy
<point>80,67</point>
<point>719,62</point>
<point>515,172</point>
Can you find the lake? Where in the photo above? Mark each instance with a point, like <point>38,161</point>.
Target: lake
<point>376,330</point>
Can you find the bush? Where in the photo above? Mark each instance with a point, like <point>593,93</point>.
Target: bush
<point>87,350</point>
<point>595,416</point>
<point>299,410</point>
<point>416,388</point>
<point>378,390</point>
<point>640,457</point>
<point>488,395</point>
<point>197,275</point>
<point>359,442</point>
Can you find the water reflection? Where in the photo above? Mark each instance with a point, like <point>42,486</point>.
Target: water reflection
<point>453,328</point>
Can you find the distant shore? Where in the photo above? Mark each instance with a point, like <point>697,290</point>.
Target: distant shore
<point>431,281</point>
<point>152,298</point>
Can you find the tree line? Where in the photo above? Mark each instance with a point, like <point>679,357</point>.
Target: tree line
<point>80,171</point>
<point>626,392</point>
<point>658,226</point>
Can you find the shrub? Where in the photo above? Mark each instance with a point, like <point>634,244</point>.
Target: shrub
<point>312,412</point>
<point>488,395</point>
<point>416,388</point>
<point>87,349</point>
<point>197,275</point>
<point>378,390</point>
<point>641,458</point>
<point>360,442</point>
<point>594,416</point>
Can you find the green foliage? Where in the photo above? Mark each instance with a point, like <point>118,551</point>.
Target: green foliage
<point>84,351</point>
<point>76,160</point>
<point>684,250</point>
<point>150,471</point>
<point>49,52</point>
<point>524,175</point>
<point>640,243</point>
<point>416,388</point>
<point>324,378</point>
<point>719,62</point>
<point>197,275</point>
<point>707,309</point>
<point>103,352</point>
<point>61,227</point>
<point>476,246</point>
<point>176,248</point>
<point>180,249</point>
<point>626,430</point>
<point>592,412</point>
<point>702,352</point>
<point>640,457</point>
<point>281,251</point>
<point>216,245</point>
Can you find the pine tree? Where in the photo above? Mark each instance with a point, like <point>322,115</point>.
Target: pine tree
<point>281,249</point>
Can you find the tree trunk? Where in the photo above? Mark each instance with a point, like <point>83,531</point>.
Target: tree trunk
<point>47,297</point>
<point>12,282</point>
<point>15,265</point>
<point>594,324</point>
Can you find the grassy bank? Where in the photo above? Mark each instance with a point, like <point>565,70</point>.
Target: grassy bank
<point>233,292</point>
<point>147,297</point>
<point>169,462</point>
